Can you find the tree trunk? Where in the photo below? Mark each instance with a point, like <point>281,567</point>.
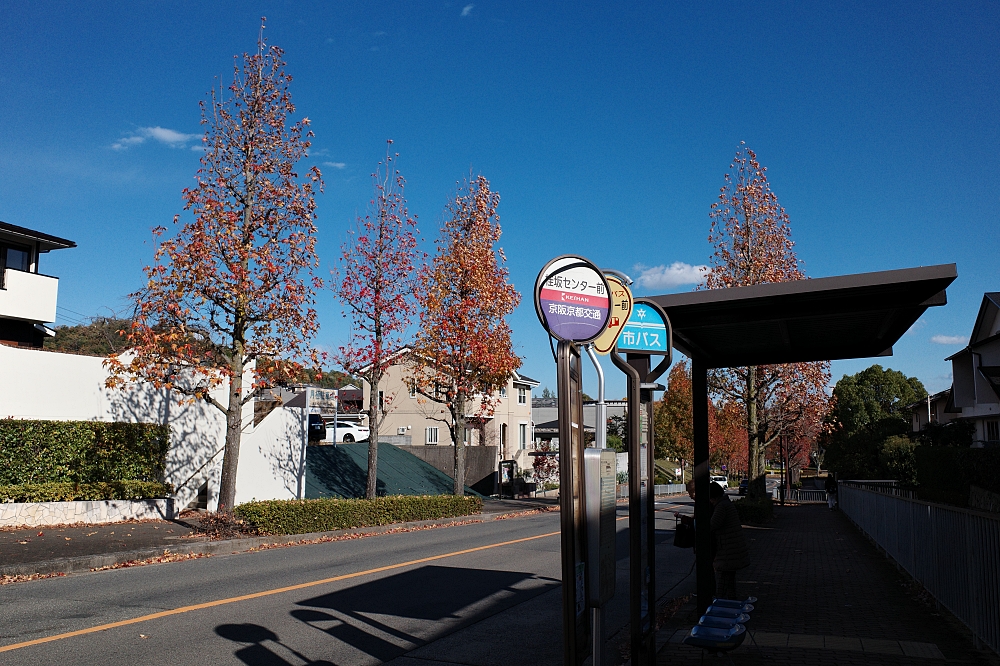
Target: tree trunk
<point>234,429</point>
<point>458,436</point>
<point>755,458</point>
<point>374,421</point>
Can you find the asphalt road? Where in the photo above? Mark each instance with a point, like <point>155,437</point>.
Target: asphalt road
<point>485,593</point>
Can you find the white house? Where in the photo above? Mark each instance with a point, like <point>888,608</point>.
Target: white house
<point>47,385</point>
<point>412,419</point>
<point>975,392</point>
<point>27,297</point>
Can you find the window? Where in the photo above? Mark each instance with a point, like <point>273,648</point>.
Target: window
<point>381,401</point>
<point>522,396</point>
<point>992,431</point>
<point>503,392</point>
<point>468,436</point>
<point>15,257</point>
<point>522,435</point>
<point>413,389</point>
<point>431,437</point>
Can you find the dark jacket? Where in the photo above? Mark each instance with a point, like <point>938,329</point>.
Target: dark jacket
<point>731,551</point>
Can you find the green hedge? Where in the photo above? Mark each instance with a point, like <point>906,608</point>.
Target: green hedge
<point>945,473</point>
<point>81,451</point>
<point>755,510</point>
<point>76,492</point>
<point>324,515</point>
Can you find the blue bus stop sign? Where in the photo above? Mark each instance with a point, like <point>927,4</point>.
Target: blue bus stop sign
<point>646,332</point>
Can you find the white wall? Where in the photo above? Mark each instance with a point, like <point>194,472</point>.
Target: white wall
<point>29,296</point>
<point>46,385</point>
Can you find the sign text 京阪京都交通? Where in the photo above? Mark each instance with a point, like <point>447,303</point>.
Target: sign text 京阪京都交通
<point>572,299</point>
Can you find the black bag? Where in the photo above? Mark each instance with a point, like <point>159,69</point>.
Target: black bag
<point>684,535</point>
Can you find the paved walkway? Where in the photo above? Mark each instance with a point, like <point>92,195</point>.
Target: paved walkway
<point>827,596</point>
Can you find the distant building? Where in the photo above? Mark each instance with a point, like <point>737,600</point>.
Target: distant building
<point>974,396</point>
<point>976,375</point>
<point>546,415</point>
<point>411,419</point>
<point>937,408</point>
<point>27,297</point>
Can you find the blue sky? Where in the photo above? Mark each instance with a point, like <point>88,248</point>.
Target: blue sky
<point>605,129</point>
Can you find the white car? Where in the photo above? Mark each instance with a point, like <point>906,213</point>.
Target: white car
<point>347,432</point>
<point>721,480</point>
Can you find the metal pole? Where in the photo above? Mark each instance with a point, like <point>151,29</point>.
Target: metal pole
<point>702,507</point>
<point>600,441</point>
<point>601,430</point>
<point>571,503</point>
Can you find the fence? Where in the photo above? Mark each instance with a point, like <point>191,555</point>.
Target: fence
<point>797,495</point>
<point>954,553</point>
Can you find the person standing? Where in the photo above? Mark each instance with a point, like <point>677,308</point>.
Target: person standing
<point>731,550</point>
<point>831,491</point>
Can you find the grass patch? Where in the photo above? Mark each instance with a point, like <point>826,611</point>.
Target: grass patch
<point>324,515</point>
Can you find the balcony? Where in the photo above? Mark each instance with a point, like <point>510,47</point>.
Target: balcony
<point>28,296</point>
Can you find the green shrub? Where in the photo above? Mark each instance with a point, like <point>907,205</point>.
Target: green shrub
<point>65,491</point>
<point>946,473</point>
<point>324,515</point>
<point>755,510</point>
<point>81,451</point>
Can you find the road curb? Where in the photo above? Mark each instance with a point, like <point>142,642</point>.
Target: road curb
<point>67,565</point>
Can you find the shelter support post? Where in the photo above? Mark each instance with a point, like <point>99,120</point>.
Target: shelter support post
<point>702,507</point>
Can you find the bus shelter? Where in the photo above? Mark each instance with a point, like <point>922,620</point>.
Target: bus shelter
<point>823,319</point>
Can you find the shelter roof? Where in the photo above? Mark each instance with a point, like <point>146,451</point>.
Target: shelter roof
<point>847,316</point>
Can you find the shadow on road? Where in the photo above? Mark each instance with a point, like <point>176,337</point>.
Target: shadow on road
<point>256,653</point>
<point>364,617</point>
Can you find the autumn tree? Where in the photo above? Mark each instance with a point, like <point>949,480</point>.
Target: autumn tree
<point>235,282</point>
<point>463,352</point>
<point>377,284</point>
<point>673,421</point>
<point>672,417</point>
<point>751,234</point>
<point>727,441</point>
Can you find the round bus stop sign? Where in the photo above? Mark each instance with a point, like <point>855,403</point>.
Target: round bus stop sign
<point>571,299</point>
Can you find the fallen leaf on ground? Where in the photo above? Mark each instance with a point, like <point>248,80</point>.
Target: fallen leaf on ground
<point>40,534</point>
<point>20,578</point>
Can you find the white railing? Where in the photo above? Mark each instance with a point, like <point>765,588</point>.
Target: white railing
<point>28,296</point>
<point>954,553</point>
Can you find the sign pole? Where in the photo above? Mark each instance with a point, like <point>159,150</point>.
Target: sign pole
<point>647,332</point>
<point>571,503</point>
<point>573,304</point>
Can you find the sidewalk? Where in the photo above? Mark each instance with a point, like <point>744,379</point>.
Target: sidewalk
<point>46,550</point>
<point>827,596</point>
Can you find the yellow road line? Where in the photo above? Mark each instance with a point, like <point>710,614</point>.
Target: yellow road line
<point>257,595</point>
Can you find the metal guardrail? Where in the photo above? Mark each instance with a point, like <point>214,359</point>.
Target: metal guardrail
<point>797,495</point>
<point>954,553</point>
<point>669,489</point>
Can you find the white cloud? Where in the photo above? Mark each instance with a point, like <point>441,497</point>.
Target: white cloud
<point>949,339</point>
<point>335,165</point>
<point>664,276</point>
<point>170,137</point>
<point>917,325</point>
<point>466,10</point>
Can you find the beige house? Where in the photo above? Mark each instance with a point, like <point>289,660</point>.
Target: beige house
<point>412,419</point>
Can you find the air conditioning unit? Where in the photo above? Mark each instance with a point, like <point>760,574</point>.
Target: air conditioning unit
<point>401,430</point>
